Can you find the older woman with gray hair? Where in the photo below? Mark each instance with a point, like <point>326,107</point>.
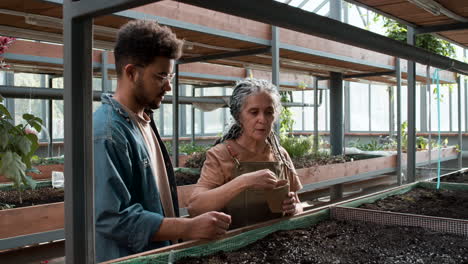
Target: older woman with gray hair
<point>248,165</point>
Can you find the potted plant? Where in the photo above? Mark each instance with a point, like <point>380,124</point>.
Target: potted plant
<point>17,146</point>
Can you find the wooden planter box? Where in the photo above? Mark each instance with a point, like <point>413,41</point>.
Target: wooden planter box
<point>342,170</point>
<point>31,219</point>
<point>48,217</point>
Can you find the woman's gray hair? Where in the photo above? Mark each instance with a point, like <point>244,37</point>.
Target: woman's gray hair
<point>242,90</point>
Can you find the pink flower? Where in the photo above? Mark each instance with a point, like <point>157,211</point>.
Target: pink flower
<point>3,49</point>
<point>4,41</point>
<point>30,131</point>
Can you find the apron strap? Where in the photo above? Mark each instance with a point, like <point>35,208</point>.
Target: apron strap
<point>233,155</point>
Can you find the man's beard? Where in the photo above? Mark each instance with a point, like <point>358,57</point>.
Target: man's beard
<point>141,98</point>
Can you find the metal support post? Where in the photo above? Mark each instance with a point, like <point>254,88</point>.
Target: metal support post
<point>104,72</point>
<point>79,186</point>
<point>391,112</point>
<point>424,118</point>
<point>466,96</point>
<point>316,133</point>
<point>451,109</point>
<point>50,113</point>
<point>175,118</point>
<point>460,138</point>
<point>335,9</point>
<point>193,117</point>
<point>398,120</point>
<point>336,124</point>
<point>275,65</point>
<point>411,147</point>
<point>347,112</point>
<point>336,113</point>
<point>369,105</point>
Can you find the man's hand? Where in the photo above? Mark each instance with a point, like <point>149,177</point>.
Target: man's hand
<point>209,225</point>
<point>260,180</point>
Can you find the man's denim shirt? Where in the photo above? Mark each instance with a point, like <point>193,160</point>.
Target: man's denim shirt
<point>127,202</point>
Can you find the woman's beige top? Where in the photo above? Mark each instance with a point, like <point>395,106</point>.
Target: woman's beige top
<point>219,164</point>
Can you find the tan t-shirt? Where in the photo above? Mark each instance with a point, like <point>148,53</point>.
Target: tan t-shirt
<point>219,164</point>
<point>157,161</point>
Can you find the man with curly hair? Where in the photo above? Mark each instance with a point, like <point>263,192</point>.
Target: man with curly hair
<point>136,196</point>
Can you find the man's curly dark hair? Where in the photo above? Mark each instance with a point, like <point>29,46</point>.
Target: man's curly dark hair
<point>141,41</point>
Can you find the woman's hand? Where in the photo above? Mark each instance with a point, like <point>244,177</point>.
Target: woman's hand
<point>260,180</point>
<point>292,205</point>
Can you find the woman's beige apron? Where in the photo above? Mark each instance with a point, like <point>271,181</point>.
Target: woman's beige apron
<point>250,206</point>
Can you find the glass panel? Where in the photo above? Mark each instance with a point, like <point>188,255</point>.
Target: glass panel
<point>28,80</point>
<point>213,122</point>
<point>58,125</point>
<point>297,117</point>
<point>168,118</point>
<point>444,109</point>
<point>359,106</point>
<point>379,108</point>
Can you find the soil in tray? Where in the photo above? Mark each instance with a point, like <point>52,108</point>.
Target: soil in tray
<point>30,197</point>
<point>183,178</point>
<point>442,203</point>
<point>348,242</point>
<point>457,177</point>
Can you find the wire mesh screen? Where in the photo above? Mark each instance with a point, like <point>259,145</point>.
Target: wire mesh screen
<point>232,243</point>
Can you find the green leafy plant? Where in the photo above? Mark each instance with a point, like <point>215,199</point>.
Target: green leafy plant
<point>17,147</point>
<point>373,145</point>
<point>4,206</point>
<point>421,142</point>
<point>190,148</point>
<point>428,42</point>
<point>297,146</point>
<point>286,115</point>
<point>187,148</point>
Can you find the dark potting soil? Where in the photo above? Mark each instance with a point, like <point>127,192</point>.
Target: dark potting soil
<point>30,197</point>
<point>348,242</point>
<point>442,203</point>
<point>457,177</point>
<point>313,160</point>
<point>183,178</point>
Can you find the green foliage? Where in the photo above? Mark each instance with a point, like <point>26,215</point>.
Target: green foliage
<point>371,146</point>
<point>297,146</point>
<point>428,42</point>
<point>286,115</point>
<point>17,147</point>
<point>186,148</point>
<point>4,206</point>
<point>190,148</point>
<point>47,161</point>
<point>168,145</point>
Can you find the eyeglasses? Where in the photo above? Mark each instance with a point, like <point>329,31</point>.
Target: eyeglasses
<point>162,77</point>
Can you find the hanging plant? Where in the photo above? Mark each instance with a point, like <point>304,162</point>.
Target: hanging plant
<point>428,42</point>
